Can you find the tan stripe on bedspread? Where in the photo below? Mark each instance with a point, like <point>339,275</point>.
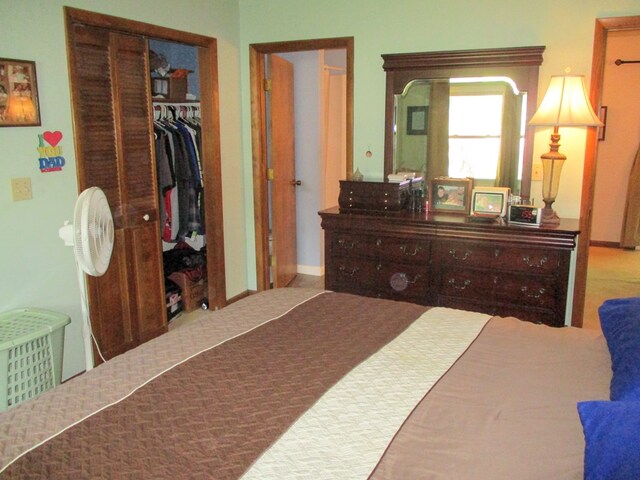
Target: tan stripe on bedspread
<point>212,416</point>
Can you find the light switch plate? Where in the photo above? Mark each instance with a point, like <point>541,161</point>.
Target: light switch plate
<point>536,171</point>
<point>21,189</point>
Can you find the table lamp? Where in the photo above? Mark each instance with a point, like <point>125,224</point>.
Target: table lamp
<point>565,104</point>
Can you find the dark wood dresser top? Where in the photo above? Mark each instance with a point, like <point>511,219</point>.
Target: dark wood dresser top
<point>452,225</point>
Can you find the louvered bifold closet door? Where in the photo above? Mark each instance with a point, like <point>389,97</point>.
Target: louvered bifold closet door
<point>112,126</point>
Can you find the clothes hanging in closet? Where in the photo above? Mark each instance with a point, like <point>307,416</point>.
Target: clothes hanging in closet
<point>177,146</point>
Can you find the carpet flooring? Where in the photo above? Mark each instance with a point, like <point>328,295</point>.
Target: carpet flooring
<point>612,273</point>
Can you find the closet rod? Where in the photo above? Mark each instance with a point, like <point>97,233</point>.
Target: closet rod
<point>176,104</point>
<point>192,108</point>
<point>622,62</point>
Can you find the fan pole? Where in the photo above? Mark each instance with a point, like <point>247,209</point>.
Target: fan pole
<point>86,321</point>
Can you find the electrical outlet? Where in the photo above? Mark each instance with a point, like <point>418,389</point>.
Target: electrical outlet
<point>21,189</point>
<point>536,171</point>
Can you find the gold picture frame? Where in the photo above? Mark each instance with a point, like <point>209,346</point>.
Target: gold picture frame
<point>19,105</point>
<point>451,195</point>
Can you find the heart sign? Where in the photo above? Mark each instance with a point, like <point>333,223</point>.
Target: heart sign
<point>52,138</point>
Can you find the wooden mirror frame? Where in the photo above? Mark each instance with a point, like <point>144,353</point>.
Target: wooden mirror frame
<point>521,64</point>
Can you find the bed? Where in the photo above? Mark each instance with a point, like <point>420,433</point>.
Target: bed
<point>302,383</point>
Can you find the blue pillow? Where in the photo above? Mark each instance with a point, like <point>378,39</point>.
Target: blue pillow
<point>620,321</point>
<point>612,437</point>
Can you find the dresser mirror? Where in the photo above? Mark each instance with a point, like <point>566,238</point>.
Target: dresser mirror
<point>463,114</point>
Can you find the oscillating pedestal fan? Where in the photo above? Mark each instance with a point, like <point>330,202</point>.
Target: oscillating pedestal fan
<point>91,236</point>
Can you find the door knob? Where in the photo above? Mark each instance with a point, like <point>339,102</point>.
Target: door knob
<point>296,183</point>
<point>146,217</point>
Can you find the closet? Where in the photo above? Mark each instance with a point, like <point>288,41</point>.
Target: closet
<point>177,140</point>
<point>113,129</point>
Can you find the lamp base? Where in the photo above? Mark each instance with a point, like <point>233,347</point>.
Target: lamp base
<point>549,217</point>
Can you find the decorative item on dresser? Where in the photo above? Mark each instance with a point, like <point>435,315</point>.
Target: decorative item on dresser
<point>360,195</point>
<point>451,194</point>
<point>446,260</point>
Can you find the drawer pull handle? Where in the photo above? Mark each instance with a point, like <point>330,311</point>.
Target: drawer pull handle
<point>496,252</point>
<point>453,252</point>
<point>344,244</point>
<point>415,279</point>
<point>343,271</point>
<point>379,267</point>
<point>537,294</point>
<point>465,284</point>
<point>378,242</point>
<point>404,249</point>
<point>539,264</point>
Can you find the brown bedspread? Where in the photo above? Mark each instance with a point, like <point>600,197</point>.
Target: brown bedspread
<point>213,415</point>
<point>506,409</point>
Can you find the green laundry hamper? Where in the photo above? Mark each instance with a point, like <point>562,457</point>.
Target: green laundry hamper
<point>31,348</point>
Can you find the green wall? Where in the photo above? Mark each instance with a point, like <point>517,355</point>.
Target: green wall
<point>36,268</point>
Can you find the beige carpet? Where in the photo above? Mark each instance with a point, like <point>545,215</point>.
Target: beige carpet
<point>612,273</point>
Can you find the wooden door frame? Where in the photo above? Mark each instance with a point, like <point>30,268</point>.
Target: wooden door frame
<point>209,107</point>
<point>602,28</point>
<point>258,134</point>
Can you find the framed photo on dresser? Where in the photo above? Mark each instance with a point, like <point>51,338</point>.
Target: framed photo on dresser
<point>452,195</point>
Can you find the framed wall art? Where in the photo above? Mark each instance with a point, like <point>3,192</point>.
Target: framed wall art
<point>451,195</point>
<point>417,118</point>
<point>19,105</point>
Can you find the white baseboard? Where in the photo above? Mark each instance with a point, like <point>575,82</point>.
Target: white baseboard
<point>311,270</point>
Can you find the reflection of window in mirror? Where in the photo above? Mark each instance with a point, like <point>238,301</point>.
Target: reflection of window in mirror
<point>474,135</point>
<point>475,128</point>
<point>478,110</point>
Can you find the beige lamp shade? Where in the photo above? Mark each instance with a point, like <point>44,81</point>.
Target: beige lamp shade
<point>566,104</point>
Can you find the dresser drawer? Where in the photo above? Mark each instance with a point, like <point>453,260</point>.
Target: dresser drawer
<point>344,244</point>
<point>526,290</point>
<point>350,271</point>
<point>403,282</point>
<point>512,258</point>
<point>389,248</point>
<point>404,250</point>
<point>505,288</point>
<point>459,282</point>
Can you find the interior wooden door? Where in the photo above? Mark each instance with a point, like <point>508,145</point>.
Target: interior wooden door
<point>283,184</point>
<point>110,90</point>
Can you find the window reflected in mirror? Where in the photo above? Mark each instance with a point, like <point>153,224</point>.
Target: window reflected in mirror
<point>475,128</point>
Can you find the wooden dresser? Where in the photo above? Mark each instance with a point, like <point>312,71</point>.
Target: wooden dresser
<point>445,260</point>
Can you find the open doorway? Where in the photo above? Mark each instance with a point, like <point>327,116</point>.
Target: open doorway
<point>618,143</point>
<point>603,27</point>
<point>269,234</point>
